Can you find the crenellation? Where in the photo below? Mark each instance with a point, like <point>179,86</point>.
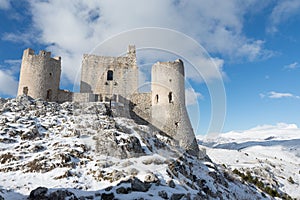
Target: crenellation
<point>114,80</point>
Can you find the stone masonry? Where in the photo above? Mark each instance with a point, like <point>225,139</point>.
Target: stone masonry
<point>114,80</point>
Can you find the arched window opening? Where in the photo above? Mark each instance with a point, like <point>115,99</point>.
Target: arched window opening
<point>110,75</point>
<point>170,97</point>
<point>49,95</point>
<point>156,98</point>
<point>25,90</point>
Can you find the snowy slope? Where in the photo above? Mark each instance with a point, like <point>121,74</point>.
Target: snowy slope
<point>271,153</point>
<point>77,151</point>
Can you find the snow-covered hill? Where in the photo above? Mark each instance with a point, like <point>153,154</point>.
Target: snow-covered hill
<point>79,151</point>
<point>270,153</point>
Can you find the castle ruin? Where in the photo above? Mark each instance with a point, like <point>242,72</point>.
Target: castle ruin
<point>114,80</point>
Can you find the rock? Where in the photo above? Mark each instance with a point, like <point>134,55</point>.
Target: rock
<point>37,148</point>
<point>163,194</point>
<point>117,175</point>
<point>176,196</point>
<point>31,134</point>
<point>1,198</point>
<point>108,144</point>
<point>109,196</point>
<point>7,140</point>
<point>24,100</point>
<point>138,185</point>
<point>108,188</point>
<point>38,193</point>
<point>62,195</point>
<point>171,184</point>
<point>123,190</point>
<point>152,178</point>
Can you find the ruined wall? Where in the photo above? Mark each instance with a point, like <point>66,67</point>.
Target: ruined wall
<point>110,75</point>
<point>40,75</point>
<point>65,96</point>
<point>140,106</point>
<point>83,97</point>
<point>169,112</point>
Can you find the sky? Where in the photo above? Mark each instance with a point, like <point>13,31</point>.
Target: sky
<point>242,57</point>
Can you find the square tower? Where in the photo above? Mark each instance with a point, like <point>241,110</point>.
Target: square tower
<point>110,75</point>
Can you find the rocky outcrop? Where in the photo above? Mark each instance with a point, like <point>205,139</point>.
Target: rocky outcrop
<point>87,154</point>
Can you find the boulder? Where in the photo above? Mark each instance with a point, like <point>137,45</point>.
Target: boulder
<point>163,194</point>
<point>138,185</point>
<point>176,196</point>
<point>151,178</point>
<point>171,184</point>
<point>38,193</point>
<point>109,196</point>
<point>62,195</point>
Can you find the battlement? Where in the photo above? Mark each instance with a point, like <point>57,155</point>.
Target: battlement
<point>30,53</point>
<point>96,57</point>
<point>176,65</point>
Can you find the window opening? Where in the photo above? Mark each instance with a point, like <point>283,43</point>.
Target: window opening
<point>170,97</point>
<point>156,98</point>
<point>110,75</point>
<point>25,90</point>
<point>49,95</point>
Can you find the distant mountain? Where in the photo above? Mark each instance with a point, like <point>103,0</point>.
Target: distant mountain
<point>268,154</point>
<point>81,151</point>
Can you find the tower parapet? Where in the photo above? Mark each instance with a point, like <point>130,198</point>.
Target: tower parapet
<point>40,75</point>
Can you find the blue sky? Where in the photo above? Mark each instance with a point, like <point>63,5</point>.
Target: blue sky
<point>255,47</point>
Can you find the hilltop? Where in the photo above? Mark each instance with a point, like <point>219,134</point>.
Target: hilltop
<point>83,151</point>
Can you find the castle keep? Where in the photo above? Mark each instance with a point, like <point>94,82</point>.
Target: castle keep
<point>115,80</point>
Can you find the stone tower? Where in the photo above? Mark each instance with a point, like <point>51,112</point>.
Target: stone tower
<point>40,75</point>
<point>169,112</point>
<point>110,75</point>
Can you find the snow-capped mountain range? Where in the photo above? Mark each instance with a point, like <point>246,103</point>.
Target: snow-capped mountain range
<point>270,153</point>
<point>84,151</point>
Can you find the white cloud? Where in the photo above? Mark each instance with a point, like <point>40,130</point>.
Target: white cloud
<point>4,4</point>
<point>8,72</point>
<point>73,27</point>
<point>292,66</point>
<point>8,85</point>
<point>282,12</point>
<point>279,95</point>
<point>25,38</point>
<point>191,96</point>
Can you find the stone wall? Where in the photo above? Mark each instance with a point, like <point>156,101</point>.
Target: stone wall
<point>169,112</point>
<point>40,75</point>
<point>83,97</point>
<point>109,75</point>
<point>140,106</point>
<point>65,96</point>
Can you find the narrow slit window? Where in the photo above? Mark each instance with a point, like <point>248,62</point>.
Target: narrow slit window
<point>170,97</point>
<point>110,75</point>
<point>156,98</point>
<point>49,95</point>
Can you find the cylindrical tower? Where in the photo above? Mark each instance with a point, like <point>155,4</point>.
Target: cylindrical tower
<point>40,75</point>
<point>169,113</point>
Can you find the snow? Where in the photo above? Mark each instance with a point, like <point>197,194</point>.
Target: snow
<point>270,152</point>
<point>55,146</point>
